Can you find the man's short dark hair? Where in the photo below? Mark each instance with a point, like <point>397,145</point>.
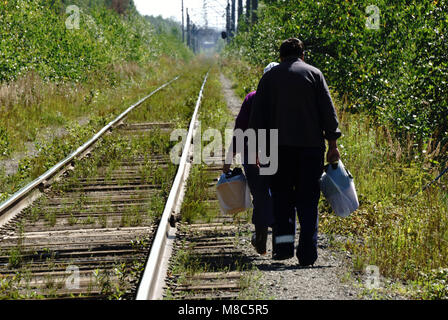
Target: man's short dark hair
<point>292,47</point>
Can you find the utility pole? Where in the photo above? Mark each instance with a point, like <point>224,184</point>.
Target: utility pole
<point>240,13</point>
<point>193,38</point>
<point>197,49</point>
<point>228,20</point>
<point>183,23</point>
<point>240,10</point>
<point>188,30</point>
<point>204,12</point>
<point>233,18</point>
<point>254,10</point>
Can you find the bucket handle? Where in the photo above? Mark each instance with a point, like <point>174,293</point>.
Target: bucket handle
<point>334,166</point>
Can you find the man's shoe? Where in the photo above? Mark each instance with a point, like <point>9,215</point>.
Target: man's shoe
<point>259,239</point>
<point>306,256</point>
<point>306,264</point>
<point>280,256</point>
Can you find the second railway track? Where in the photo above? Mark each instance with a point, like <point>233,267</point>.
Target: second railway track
<point>89,234</point>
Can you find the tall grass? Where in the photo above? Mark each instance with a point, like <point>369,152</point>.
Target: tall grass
<point>29,104</point>
<point>401,233</point>
<point>52,76</point>
<point>108,104</point>
<point>404,234</point>
<point>213,113</point>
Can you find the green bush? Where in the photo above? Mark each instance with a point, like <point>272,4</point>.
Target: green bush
<point>35,37</point>
<point>434,284</point>
<point>398,73</point>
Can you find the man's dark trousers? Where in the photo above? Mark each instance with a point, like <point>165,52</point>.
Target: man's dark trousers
<point>263,215</point>
<point>295,186</point>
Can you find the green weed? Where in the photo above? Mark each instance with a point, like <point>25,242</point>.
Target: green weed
<point>404,235</point>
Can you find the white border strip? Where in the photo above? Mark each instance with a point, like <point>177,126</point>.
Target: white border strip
<point>151,274</point>
<point>22,193</point>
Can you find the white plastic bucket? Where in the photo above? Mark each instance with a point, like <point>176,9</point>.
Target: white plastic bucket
<point>233,193</point>
<point>339,189</point>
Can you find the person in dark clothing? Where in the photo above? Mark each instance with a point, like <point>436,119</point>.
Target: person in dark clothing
<point>294,98</point>
<point>262,216</point>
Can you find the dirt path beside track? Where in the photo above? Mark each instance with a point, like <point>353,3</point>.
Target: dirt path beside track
<point>331,276</point>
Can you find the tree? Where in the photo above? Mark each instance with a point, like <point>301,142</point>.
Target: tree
<point>120,6</point>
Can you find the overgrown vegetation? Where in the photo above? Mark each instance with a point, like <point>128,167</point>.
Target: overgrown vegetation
<point>214,114</point>
<point>200,206</point>
<point>68,83</point>
<point>50,77</point>
<point>68,206</point>
<point>75,47</point>
<point>388,86</point>
<point>398,72</point>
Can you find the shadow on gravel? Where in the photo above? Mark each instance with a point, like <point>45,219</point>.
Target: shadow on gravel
<point>276,266</point>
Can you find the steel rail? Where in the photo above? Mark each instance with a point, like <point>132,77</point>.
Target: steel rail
<point>20,195</point>
<point>151,274</point>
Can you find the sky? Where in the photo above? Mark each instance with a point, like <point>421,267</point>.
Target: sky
<point>172,8</point>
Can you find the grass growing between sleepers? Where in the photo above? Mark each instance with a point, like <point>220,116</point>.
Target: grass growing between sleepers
<point>197,207</point>
<point>73,211</point>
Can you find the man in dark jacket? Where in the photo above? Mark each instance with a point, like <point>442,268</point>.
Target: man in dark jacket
<point>294,98</point>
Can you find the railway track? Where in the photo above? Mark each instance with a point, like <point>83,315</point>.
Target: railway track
<point>94,228</point>
<point>91,226</point>
<point>209,260</point>
<point>213,264</point>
